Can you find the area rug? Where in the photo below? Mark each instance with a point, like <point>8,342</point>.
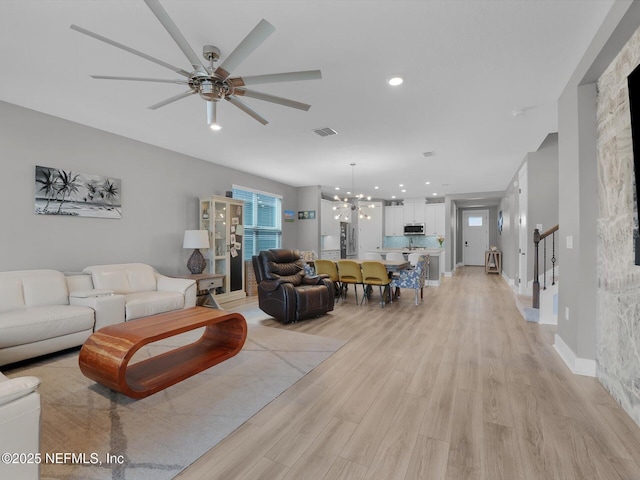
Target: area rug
<point>116,438</point>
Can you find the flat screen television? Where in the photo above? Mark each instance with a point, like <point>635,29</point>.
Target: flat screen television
<point>633,81</point>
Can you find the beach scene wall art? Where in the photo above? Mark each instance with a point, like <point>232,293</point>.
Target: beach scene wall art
<point>65,192</point>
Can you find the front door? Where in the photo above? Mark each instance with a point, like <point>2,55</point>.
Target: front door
<point>475,236</point>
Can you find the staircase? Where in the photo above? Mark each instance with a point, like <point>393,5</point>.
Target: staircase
<point>544,302</point>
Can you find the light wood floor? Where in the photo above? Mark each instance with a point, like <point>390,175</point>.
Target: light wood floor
<point>458,387</point>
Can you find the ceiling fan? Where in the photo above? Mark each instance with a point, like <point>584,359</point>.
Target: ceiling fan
<point>213,84</point>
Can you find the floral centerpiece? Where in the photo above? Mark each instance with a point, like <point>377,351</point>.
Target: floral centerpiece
<point>440,240</point>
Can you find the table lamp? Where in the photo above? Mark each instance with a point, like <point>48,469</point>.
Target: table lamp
<point>196,239</point>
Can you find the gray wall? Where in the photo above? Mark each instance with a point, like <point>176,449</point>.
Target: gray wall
<point>542,205</point>
<point>309,230</point>
<point>508,240</point>
<point>159,196</point>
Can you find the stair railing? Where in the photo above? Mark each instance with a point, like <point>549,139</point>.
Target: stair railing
<point>537,238</point>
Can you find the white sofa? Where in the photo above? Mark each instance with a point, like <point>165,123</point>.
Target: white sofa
<point>19,425</point>
<point>145,291</point>
<point>36,316</point>
<point>42,311</point>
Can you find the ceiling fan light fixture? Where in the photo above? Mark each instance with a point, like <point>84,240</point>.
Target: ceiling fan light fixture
<point>212,116</point>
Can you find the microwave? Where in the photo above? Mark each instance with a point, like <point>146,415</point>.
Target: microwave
<point>414,229</point>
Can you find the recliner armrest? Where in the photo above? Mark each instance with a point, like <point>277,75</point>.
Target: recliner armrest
<point>315,279</point>
<point>15,388</point>
<point>109,309</point>
<point>272,285</point>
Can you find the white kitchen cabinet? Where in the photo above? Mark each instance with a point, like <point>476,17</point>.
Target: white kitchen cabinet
<point>434,219</point>
<point>330,254</point>
<point>223,218</point>
<point>414,211</point>
<point>328,223</point>
<point>394,221</point>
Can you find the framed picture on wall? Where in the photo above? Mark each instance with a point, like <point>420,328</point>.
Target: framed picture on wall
<point>69,193</point>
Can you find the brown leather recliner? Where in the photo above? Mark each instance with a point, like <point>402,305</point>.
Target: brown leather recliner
<point>284,290</point>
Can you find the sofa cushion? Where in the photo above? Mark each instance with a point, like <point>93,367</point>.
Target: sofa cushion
<point>142,279</point>
<point>33,324</point>
<point>45,289</point>
<point>143,304</point>
<point>116,280</point>
<point>11,297</point>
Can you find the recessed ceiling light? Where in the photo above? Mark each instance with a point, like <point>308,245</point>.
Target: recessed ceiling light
<point>348,193</point>
<point>427,183</point>
<point>393,196</point>
<point>434,194</point>
<point>404,191</point>
<point>337,188</point>
<point>376,187</point>
<point>215,127</point>
<point>401,185</point>
<point>395,81</point>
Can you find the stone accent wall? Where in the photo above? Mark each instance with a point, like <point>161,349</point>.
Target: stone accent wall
<point>618,299</point>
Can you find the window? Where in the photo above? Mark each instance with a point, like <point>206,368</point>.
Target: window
<point>475,221</point>
<point>262,220</point>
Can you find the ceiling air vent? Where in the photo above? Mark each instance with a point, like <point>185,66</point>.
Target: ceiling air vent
<point>325,132</point>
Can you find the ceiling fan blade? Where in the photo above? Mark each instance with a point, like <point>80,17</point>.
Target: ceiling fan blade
<point>171,100</point>
<point>164,18</point>
<point>139,79</point>
<point>247,109</point>
<point>246,47</point>
<point>276,77</point>
<point>129,49</point>
<point>272,98</point>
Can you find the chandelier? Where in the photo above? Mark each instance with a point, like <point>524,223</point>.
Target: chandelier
<point>352,204</point>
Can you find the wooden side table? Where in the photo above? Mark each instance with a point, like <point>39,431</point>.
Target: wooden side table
<point>493,261</point>
<point>206,284</point>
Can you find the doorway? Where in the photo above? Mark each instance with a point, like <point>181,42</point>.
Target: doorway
<point>522,230</point>
<point>475,236</point>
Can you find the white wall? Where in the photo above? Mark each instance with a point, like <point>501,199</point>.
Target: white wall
<point>159,196</point>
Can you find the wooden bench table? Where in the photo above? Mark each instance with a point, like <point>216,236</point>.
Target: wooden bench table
<point>105,355</point>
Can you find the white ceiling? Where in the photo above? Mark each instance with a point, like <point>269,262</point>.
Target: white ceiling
<point>467,66</point>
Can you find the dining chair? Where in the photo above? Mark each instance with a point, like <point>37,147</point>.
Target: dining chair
<point>413,278</point>
<point>328,267</point>
<point>349,273</point>
<point>375,273</point>
<point>413,258</point>
<point>396,257</point>
<point>372,256</point>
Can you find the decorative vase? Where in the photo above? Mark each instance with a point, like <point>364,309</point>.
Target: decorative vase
<point>196,262</point>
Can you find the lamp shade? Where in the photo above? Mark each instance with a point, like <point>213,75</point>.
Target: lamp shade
<point>196,239</point>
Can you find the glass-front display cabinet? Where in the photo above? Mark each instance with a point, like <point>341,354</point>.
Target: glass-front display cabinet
<point>222,217</point>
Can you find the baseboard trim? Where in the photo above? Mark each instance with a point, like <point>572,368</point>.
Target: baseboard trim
<point>578,366</point>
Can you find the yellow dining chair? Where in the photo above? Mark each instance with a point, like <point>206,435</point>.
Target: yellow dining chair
<point>349,272</point>
<point>328,267</point>
<point>375,273</point>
